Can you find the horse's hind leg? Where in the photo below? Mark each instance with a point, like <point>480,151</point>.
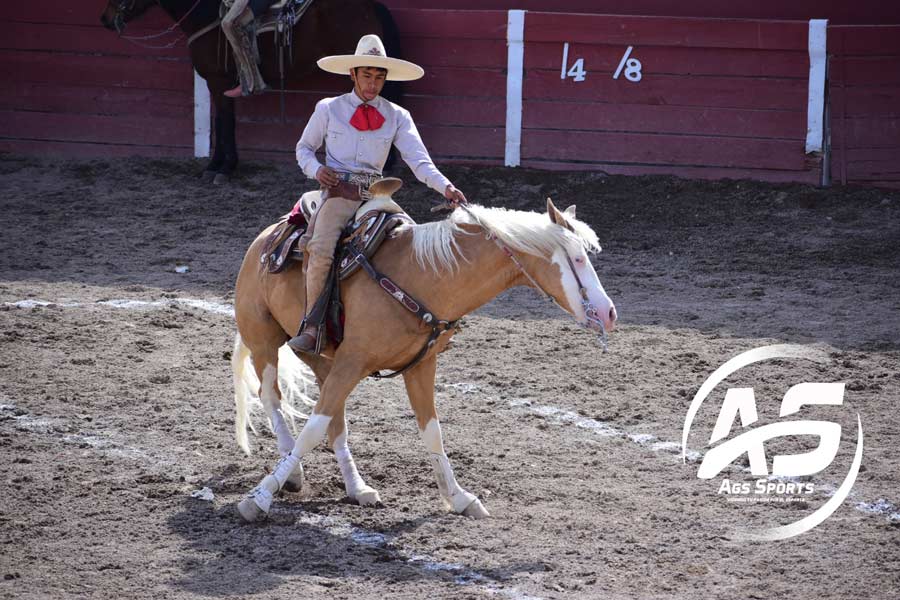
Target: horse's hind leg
<point>327,417</point>
<point>420,388</point>
<point>263,355</point>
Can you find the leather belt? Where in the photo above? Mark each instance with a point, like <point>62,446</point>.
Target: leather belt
<point>352,186</point>
<point>363,179</point>
<point>350,191</point>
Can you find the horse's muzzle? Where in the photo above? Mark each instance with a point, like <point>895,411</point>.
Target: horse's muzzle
<point>596,322</point>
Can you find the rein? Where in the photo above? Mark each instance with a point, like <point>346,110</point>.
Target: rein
<point>438,326</point>
<point>136,40</point>
<point>590,311</point>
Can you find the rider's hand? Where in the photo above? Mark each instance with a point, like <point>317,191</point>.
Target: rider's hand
<point>327,177</point>
<point>455,196</point>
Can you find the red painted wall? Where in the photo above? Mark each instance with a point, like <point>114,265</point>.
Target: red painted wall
<point>717,97</point>
<point>73,88</point>
<point>865,104</point>
<point>879,12</point>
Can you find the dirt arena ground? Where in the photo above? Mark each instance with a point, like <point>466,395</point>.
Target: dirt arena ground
<point>116,399</point>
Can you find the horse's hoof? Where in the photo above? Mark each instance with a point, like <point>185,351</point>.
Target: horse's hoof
<point>221,178</point>
<point>367,497</point>
<point>249,511</point>
<point>294,483</point>
<point>476,510</point>
<point>208,176</point>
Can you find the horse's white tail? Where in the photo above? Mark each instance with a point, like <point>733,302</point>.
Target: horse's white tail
<point>294,379</point>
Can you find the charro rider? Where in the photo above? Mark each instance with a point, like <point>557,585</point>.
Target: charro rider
<point>238,26</point>
<point>358,129</point>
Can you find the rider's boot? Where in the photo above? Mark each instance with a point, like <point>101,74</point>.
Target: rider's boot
<point>317,270</point>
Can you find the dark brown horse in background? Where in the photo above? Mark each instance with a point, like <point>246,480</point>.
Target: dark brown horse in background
<point>328,27</point>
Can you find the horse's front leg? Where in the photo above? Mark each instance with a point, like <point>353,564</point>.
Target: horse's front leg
<point>420,388</point>
<point>340,382</point>
<point>357,489</point>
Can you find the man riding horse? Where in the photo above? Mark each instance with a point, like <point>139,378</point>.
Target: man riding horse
<point>358,129</point>
<point>238,27</point>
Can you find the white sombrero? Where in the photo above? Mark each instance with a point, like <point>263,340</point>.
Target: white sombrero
<point>370,53</point>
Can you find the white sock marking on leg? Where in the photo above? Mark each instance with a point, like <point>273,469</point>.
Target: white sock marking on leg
<point>311,434</point>
<point>352,480</point>
<point>457,498</point>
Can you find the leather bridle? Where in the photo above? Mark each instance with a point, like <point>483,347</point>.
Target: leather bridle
<point>591,315</point>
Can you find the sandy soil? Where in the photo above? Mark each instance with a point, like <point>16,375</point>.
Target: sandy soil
<point>112,413</point>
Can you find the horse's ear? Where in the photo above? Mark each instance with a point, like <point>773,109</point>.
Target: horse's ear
<point>554,214</point>
<point>558,217</point>
<point>570,211</point>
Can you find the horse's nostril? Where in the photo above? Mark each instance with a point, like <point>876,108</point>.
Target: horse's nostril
<point>612,315</point>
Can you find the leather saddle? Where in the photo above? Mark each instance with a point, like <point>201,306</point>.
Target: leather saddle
<point>374,221</point>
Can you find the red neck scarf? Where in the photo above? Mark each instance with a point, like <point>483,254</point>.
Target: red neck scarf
<point>367,118</point>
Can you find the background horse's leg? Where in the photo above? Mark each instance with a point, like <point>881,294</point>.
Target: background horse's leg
<point>226,143</point>
<point>340,382</point>
<point>218,157</point>
<point>357,489</point>
<point>420,388</point>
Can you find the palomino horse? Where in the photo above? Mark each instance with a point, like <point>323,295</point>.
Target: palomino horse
<point>327,27</point>
<point>452,267</point>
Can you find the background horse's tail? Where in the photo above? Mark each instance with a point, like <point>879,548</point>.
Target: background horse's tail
<point>294,381</point>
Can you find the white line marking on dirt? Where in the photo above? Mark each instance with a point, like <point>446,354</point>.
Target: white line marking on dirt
<point>566,417</point>
<point>462,575</point>
<point>212,306</point>
<point>40,304</point>
<point>207,305</point>
<point>881,507</point>
<point>562,416</point>
<point>23,421</point>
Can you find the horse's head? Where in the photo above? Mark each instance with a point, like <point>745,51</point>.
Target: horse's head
<point>558,264</point>
<point>574,283</point>
<point>120,12</point>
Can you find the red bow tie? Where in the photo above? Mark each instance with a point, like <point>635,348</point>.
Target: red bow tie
<point>367,118</point>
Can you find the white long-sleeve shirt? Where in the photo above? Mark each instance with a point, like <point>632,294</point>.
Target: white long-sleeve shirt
<point>350,150</point>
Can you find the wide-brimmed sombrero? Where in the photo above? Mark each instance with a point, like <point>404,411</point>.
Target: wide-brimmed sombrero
<point>370,53</point>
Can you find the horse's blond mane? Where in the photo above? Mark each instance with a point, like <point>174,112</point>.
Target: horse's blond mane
<point>435,245</point>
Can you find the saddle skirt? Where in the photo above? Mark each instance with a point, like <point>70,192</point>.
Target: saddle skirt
<point>374,221</point>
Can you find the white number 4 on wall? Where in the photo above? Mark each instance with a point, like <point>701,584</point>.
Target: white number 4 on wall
<point>576,71</point>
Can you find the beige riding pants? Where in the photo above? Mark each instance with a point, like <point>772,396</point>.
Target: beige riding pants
<point>245,56</point>
<point>327,224</point>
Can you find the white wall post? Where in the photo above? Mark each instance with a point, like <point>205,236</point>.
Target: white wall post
<point>515,40</point>
<point>201,117</point>
<point>815,113</point>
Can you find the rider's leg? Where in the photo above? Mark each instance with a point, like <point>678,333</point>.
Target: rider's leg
<point>331,218</point>
<point>234,25</point>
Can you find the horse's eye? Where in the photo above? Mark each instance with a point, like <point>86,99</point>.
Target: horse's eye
<point>579,260</point>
